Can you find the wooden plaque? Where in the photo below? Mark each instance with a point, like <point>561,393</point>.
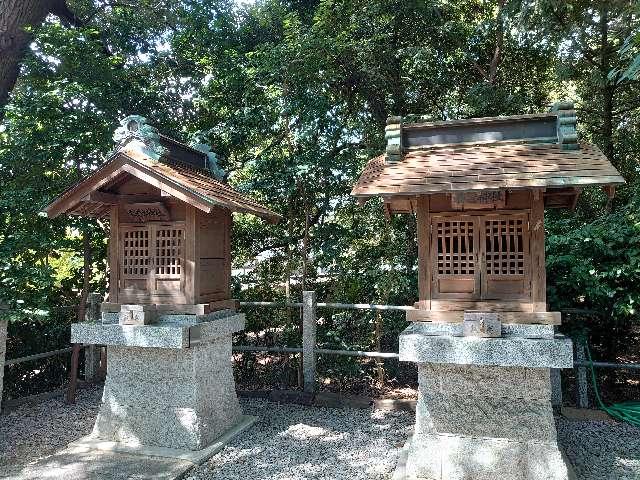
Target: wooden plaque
<point>478,200</point>
<point>146,212</point>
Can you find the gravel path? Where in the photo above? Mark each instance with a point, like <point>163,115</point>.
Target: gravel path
<point>291,442</point>
<point>601,450</point>
<point>32,431</point>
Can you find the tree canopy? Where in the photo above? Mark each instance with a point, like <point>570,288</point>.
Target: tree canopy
<point>293,96</point>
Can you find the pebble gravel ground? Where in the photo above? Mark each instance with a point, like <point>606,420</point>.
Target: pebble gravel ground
<point>601,450</point>
<point>295,443</point>
<point>31,431</point>
<point>292,442</point>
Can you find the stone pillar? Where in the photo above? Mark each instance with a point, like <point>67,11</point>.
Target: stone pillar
<point>169,384</point>
<point>309,306</point>
<point>484,406</point>
<point>556,388</point>
<point>582,387</point>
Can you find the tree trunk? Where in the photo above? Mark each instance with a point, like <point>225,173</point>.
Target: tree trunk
<point>608,87</point>
<point>15,17</point>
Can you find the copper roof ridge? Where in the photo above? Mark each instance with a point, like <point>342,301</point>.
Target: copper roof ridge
<point>479,120</point>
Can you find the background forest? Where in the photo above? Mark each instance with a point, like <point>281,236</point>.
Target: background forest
<point>293,95</point>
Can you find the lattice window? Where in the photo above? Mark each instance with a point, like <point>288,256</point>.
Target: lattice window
<point>168,254</point>
<point>454,247</point>
<point>505,246</point>
<point>135,253</point>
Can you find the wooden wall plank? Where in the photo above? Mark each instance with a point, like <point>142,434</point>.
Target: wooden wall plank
<point>113,254</point>
<point>423,223</point>
<point>538,265</point>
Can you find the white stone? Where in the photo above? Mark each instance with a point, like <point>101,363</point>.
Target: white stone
<point>484,407</point>
<point>169,398</point>
<point>418,346</point>
<point>481,324</point>
<point>174,335</point>
<point>485,417</point>
<point>441,457</point>
<point>508,329</point>
<point>504,382</point>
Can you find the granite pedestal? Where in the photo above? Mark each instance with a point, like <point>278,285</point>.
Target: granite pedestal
<point>169,384</point>
<point>484,407</point>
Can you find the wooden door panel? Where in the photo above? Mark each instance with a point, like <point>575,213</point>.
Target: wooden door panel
<point>505,257</point>
<point>454,243</point>
<point>135,261</point>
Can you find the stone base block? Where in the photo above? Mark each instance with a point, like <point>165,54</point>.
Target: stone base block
<point>419,345</point>
<point>194,456</point>
<point>481,422</point>
<point>442,457</point>
<point>173,398</point>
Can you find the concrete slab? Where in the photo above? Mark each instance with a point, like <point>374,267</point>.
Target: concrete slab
<point>193,456</point>
<point>82,463</point>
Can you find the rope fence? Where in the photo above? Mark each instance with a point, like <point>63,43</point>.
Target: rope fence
<point>310,351</point>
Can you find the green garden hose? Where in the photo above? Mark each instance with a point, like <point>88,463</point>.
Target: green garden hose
<point>627,411</point>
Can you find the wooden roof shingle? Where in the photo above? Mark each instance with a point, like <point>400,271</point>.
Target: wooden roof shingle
<point>182,180</point>
<point>533,151</point>
<point>486,167</point>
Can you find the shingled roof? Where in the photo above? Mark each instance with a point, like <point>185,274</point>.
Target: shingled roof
<point>519,152</point>
<point>181,171</point>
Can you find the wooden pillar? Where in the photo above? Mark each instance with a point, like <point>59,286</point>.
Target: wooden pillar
<point>114,248</point>
<point>423,224</point>
<point>92,352</point>
<point>538,265</point>
<point>191,257</point>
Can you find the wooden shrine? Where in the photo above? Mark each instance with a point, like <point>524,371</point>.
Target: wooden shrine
<point>478,188</point>
<point>170,220</point>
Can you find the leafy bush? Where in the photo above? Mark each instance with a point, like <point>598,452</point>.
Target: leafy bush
<point>595,267</point>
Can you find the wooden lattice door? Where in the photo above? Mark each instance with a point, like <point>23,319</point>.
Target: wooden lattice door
<point>151,261</point>
<point>480,257</point>
<point>505,257</point>
<point>135,258</point>
<point>168,259</point>
<point>454,249</point>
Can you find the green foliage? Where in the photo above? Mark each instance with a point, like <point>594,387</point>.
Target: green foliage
<point>293,97</point>
<point>596,266</point>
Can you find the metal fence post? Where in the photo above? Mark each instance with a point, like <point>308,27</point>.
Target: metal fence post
<point>309,306</point>
<point>581,378</point>
<point>92,352</point>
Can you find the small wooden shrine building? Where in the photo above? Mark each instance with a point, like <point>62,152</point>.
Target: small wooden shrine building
<point>170,220</point>
<point>478,188</point>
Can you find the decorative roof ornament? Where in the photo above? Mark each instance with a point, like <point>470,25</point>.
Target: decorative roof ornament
<point>135,128</point>
<point>393,135</point>
<point>567,135</point>
<point>212,157</point>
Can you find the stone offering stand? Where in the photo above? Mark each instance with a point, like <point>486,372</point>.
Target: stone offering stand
<point>169,384</point>
<point>484,406</point>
